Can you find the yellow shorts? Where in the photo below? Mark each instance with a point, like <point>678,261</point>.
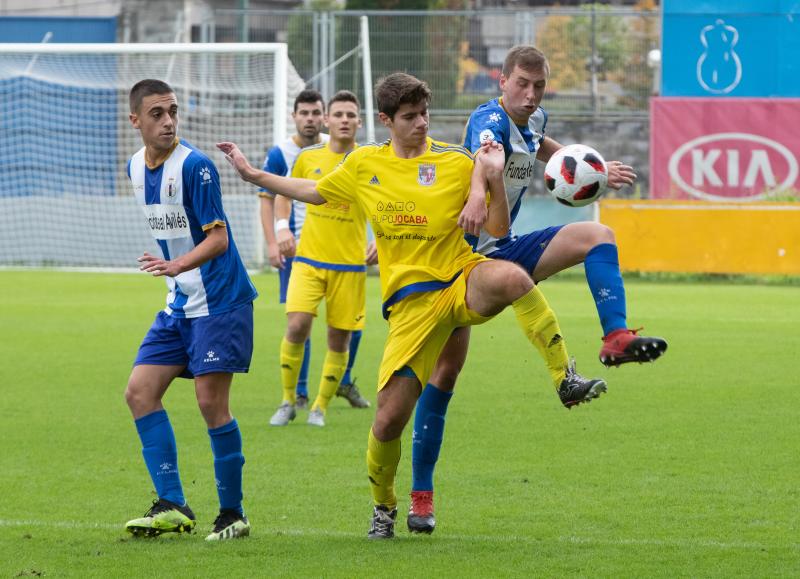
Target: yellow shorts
<point>420,325</point>
<point>343,291</point>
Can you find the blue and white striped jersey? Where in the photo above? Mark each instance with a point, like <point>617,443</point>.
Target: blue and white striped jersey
<point>279,161</point>
<point>181,200</point>
<point>491,122</point>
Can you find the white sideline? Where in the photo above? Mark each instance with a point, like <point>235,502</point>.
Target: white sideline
<point>681,543</point>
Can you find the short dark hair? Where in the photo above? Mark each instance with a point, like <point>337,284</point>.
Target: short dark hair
<point>398,89</point>
<point>309,96</point>
<point>344,96</point>
<point>145,88</point>
<point>527,58</point>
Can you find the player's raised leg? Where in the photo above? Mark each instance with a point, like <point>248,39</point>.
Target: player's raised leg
<point>169,513</point>
<point>594,245</point>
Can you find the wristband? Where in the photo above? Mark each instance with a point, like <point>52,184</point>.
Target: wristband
<point>281,224</point>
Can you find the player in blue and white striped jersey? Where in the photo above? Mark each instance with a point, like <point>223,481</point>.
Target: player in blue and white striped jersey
<point>205,331</point>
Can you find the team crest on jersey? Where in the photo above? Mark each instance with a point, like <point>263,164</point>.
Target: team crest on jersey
<point>427,175</point>
<point>172,189</point>
<point>486,136</point>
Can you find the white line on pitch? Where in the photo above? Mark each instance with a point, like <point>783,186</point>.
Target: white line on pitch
<point>684,543</point>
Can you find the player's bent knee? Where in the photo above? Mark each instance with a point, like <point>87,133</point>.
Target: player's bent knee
<point>298,328</point>
<point>602,234</point>
<point>214,411</point>
<point>388,426</point>
<point>139,399</point>
<point>517,284</point>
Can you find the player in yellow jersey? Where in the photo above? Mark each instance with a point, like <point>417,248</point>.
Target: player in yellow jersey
<point>414,189</point>
<point>329,264</point>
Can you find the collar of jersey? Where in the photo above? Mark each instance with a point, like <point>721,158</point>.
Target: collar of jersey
<point>172,149</point>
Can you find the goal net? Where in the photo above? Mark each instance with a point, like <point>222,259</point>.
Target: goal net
<point>65,197</point>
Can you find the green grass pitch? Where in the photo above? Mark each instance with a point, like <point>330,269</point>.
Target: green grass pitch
<point>686,468</point>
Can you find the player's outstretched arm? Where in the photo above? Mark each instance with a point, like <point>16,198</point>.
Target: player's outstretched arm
<point>215,243</point>
<point>300,189</point>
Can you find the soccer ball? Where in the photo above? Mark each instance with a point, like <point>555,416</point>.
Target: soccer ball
<point>576,175</point>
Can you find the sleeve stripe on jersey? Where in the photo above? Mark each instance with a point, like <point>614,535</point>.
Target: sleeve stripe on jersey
<point>454,148</point>
<point>213,224</point>
<point>263,193</point>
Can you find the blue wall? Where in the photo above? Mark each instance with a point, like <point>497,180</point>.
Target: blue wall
<point>752,48</point>
<point>57,139</point>
<point>33,29</point>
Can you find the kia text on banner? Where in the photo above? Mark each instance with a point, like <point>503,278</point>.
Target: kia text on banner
<point>724,149</point>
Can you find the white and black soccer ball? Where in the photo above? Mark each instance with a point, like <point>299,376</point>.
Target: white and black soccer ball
<point>576,175</point>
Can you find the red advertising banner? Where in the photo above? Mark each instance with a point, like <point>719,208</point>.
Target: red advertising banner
<point>732,149</point>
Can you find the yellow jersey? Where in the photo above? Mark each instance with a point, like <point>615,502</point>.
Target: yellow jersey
<point>413,205</point>
<point>335,233</point>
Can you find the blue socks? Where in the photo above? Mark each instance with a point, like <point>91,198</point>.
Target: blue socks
<point>355,340</point>
<point>428,435</point>
<point>605,282</point>
<point>226,445</point>
<point>161,455</point>
<point>302,379</point>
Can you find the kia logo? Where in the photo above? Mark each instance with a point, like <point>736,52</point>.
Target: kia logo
<point>732,167</point>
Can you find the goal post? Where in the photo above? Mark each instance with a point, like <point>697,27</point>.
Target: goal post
<point>66,140</point>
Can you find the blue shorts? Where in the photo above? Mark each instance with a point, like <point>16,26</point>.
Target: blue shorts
<point>218,343</point>
<point>283,279</point>
<point>526,250</point>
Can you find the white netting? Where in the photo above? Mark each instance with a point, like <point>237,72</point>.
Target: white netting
<point>65,196</point>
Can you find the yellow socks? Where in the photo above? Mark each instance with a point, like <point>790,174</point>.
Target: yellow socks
<point>291,361</point>
<point>541,327</point>
<point>332,371</point>
<point>382,461</point>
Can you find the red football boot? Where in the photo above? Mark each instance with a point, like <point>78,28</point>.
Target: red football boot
<point>624,345</point>
<point>420,514</point>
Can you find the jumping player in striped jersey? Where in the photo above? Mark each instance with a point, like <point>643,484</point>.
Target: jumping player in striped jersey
<point>516,121</point>
<point>205,332</point>
<point>414,189</point>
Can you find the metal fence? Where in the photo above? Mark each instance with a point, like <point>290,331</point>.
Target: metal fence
<point>598,54</point>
